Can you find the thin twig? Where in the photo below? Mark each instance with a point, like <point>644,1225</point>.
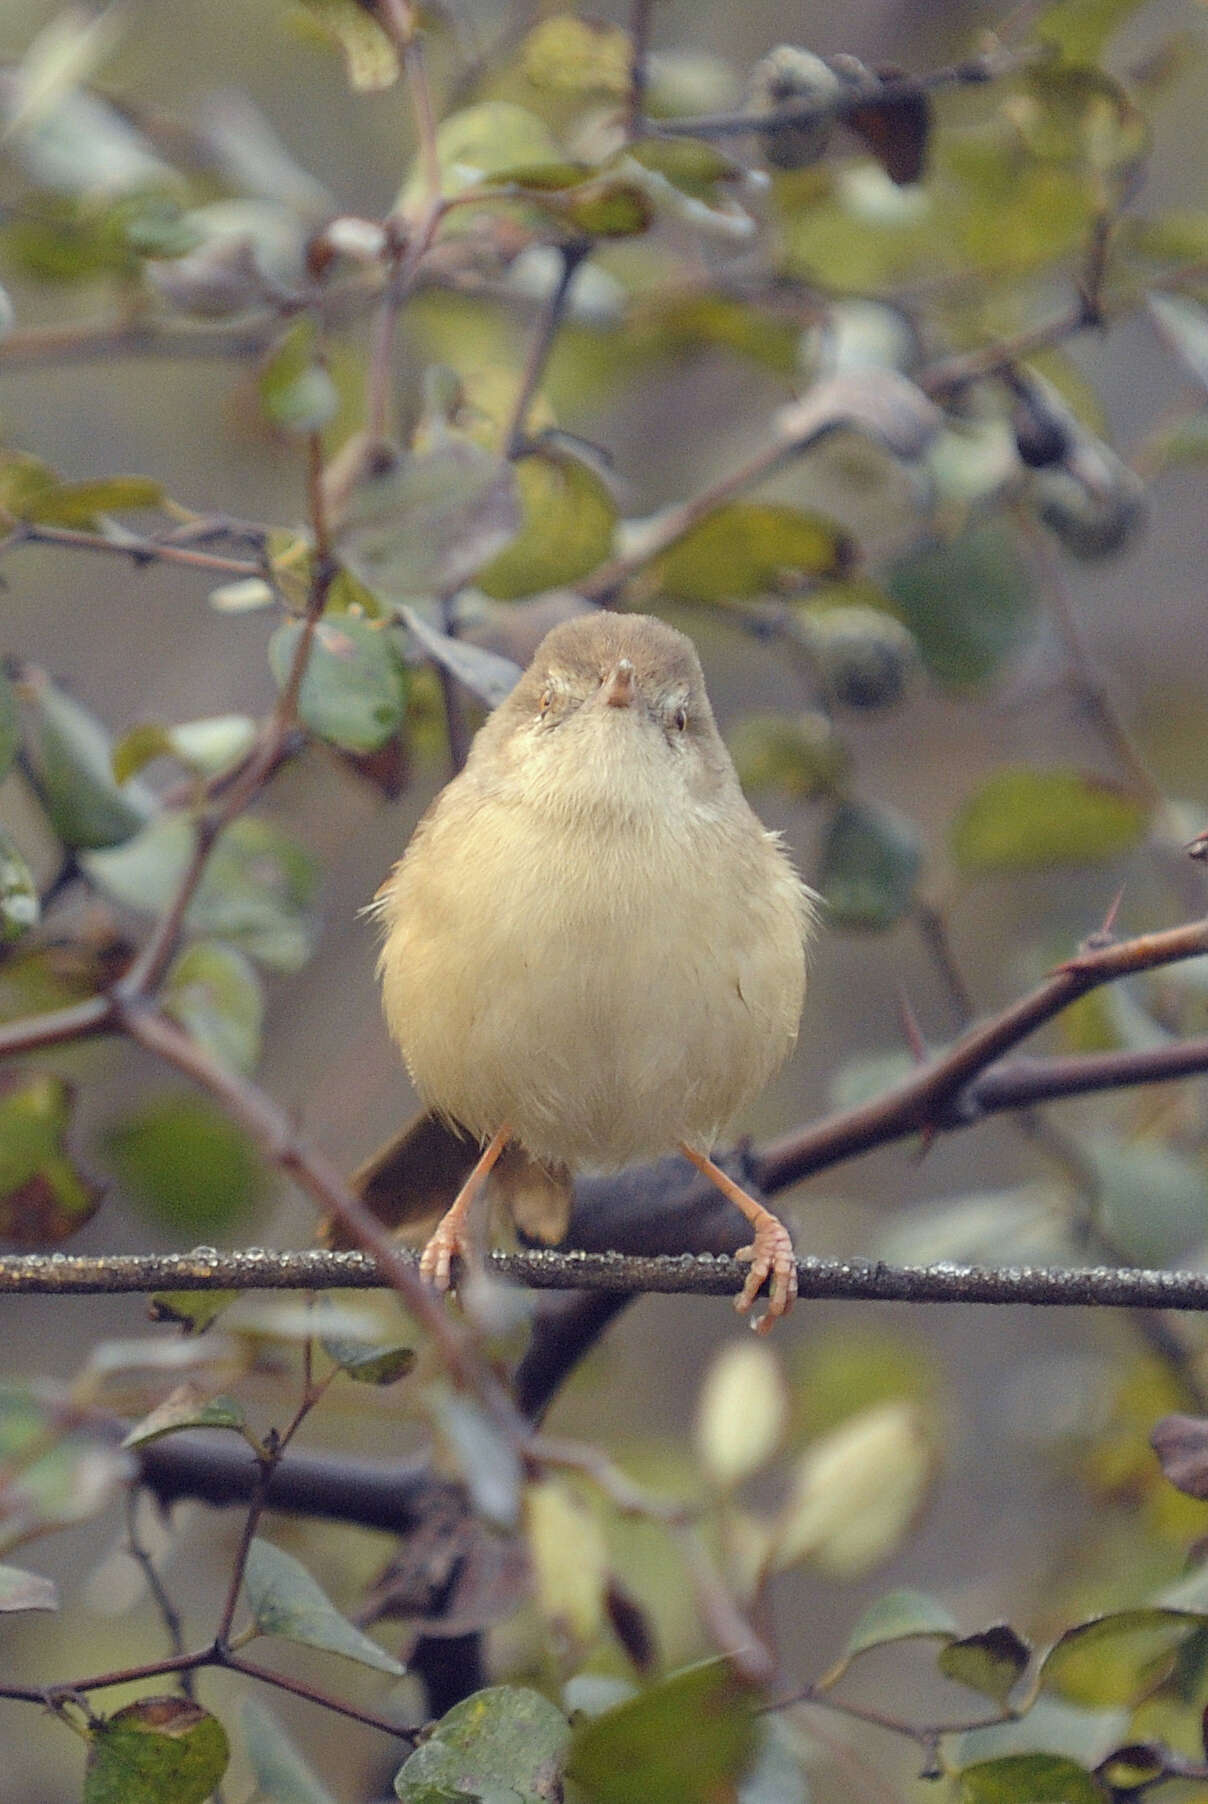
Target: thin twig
<point>140,981</point>
<point>88,339</point>
<point>277,1137</point>
<point>173,1625</point>
<point>641,14</point>
<point>540,346</point>
<point>137,547</point>
<point>252,1670</point>
<point>876,91</point>
<point>943,1094</point>
<point>603,583</point>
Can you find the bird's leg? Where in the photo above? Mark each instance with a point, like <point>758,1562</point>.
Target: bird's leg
<point>770,1253</point>
<point>450,1237</point>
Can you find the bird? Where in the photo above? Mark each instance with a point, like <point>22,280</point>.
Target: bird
<point>592,946</point>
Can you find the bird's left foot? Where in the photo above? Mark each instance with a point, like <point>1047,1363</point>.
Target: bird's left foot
<point>449,1242</point>
<point>771,1256</point>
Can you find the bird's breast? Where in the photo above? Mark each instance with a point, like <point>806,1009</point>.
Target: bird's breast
<point>608,992</point>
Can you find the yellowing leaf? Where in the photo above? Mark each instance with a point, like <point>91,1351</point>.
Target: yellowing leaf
<point>480,141</point>
<point>370,58</point>
<point>856,1491</point>
<point>568,521</point>
<point>44,1195</point>
<point>750,548</point>
<point>579,56</point>
<point>742,1411</point>
<point>1022,819</point>
<point>570,1560</point>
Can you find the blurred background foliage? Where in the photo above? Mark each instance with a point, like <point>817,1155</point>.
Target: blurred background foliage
<point>900,410</point>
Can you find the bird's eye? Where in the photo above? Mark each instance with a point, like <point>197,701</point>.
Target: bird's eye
<point>546,702</point>
<point>680,718</point>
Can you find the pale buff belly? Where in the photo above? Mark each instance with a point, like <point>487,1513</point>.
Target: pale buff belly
<point>606,1027</point>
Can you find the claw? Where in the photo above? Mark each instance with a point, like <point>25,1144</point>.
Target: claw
<point>436,1260</point>
<point>770,1255</point>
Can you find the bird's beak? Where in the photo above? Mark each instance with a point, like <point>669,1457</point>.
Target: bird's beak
<point>619,688</point>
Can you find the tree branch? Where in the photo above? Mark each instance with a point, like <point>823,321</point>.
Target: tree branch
<point>876,91</point>
<point>685,1274</point>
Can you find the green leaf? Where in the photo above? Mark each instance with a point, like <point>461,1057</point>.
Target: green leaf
<point>690,183</point>
<point>20,906</point>
<point>23,478</point>
<point>187,1166</point>
<point>354,692</point>
<point>484,140</point>
<point>864,656</point>
<point>296,390</point>
<point>1113,1659</point>
<point>9,727</point>
<point>371,60</point>
<point>81,503</point>
<point>578,56</point>
<point>683,1740</point>
<point>484,673</point>
<point>968,603</point>
<point>991,1662</point>
<point>1022,819</point>
<point>192,1310</point>
<point>1129,1770</point>
<point>504,1745</point>
<point>487,1459</point>
<point>73,773</point>
<point>747,548</point>
<point>65,1477</point>
<point>607,208</point>
<point>568,517</point>
<point>158,1748</point>
<point>281,1774</point>
<point>286,1601</point>
<point>1081,29</point>
<point>255,891</point>
<point>428,522</point>
<point>1151,1201</point>
<point>366,1363</point>
<point>208,747</point>
<point>21,1590</point>
<point>680,324</point>
<point>1080,117</point>
<point>1018,1227</point>
<point>187,1407</point>
<point>898,1616</point>
<point>214,993</point>
<point>800,755</point>
<point>775,1776</point>
<point>1184,442</point>
<point>1029,1779</point>
<point>44,1196</point>
<point>871,859</point>
<point>1183,322</point>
